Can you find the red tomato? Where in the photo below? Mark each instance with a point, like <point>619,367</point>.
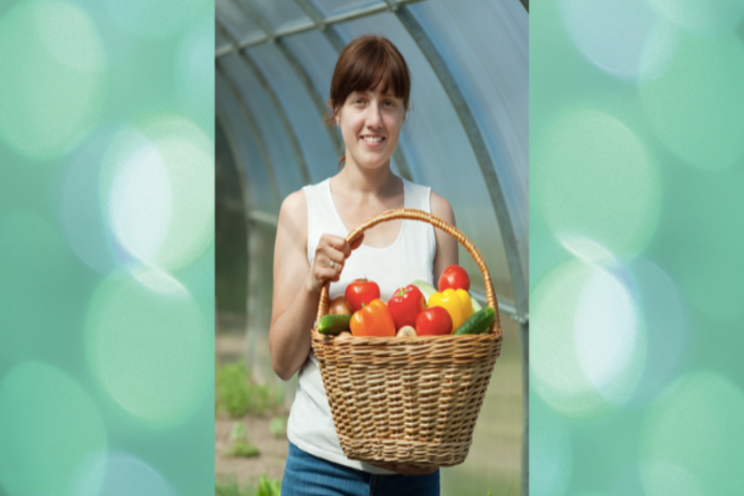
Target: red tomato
<point>361,291</point>
<point>434,321</point>
<point>454,277</point>
<point>405,305</point>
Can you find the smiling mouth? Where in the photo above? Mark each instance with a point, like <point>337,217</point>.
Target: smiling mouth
<point>372,139</point>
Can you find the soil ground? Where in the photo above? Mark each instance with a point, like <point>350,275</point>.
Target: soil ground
<point>229,347</point>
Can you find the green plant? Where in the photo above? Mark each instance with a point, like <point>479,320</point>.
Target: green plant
<point>278,427</point>
<point>239,443</point>
<point>268,487</point>
<point>237,395</point>
<point>230,487</point>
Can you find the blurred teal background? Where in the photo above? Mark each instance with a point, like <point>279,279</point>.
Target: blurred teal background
<point>106,247</point>
<point>637,201</point>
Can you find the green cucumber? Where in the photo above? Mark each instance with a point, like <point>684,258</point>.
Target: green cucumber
<point>478,323</point>
<point>333,324</point>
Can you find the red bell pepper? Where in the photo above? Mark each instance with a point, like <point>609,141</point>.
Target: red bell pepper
<point>405,305</point>
<point>373,320</point>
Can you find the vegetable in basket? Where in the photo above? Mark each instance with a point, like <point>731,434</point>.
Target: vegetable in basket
<point>456,302</point>
<point>339,306</point>
<point>406,332</point>
<point>333,324</point>
<point>434,321</point>
<point>478,323</point>
<point>361,291</point>
<point>427,290</point>
<point>454,277</point>
<point>405,305</point>
<point>373,320</point>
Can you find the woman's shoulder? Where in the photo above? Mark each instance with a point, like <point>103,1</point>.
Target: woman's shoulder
<point>293,213</point>
<point>441,208</point>
<point>294,203</point>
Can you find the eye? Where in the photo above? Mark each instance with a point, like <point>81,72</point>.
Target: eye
<point>389,103</point>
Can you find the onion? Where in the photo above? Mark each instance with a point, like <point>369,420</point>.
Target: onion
<point>406,332</point>
<point>339,306</point>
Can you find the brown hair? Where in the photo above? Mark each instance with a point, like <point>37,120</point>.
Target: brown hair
<point>362,65</point>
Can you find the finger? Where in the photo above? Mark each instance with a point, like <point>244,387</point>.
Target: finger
<point>335,245</point>
<point>324,274</point>
<point>337,258</point>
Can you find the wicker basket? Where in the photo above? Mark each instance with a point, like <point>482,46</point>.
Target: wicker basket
<point>408,400</point>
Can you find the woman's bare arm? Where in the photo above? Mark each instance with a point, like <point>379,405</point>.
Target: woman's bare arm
<point>297,285</point>
<point>447,246</point>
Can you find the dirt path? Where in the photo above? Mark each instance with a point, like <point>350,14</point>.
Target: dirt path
<point>271,458</point>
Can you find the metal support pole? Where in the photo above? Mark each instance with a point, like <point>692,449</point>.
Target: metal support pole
<point>266,161</point>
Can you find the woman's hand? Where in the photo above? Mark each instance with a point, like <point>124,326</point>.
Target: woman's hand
<point>405,469</point>
<point>330,255</point>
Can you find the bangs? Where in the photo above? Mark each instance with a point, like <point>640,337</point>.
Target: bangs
<point>365,64</point>
<point>376,67</point>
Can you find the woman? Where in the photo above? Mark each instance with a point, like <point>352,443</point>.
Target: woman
<point>370,92</point>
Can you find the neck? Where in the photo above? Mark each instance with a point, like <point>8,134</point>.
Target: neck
<point>379,181</point>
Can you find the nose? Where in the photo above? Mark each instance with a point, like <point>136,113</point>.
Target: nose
<point>374,118</point>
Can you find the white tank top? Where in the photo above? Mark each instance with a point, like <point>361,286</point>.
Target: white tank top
<point>410,257</point>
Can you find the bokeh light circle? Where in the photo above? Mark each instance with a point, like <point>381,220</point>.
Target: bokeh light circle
<point>594,178</point>
<point>149,351</point>
<point>53,66</point>
<point>158,190</point>
<point>692,437</point>
<point>79,209</point>
<point>48,425</point>
<point>139,199</point>
<point>114,473</point>
<point>702,16</point>
<point>696,106</point>
<point>587,344</point>
<point>625,38</point>
<point>668,329</point>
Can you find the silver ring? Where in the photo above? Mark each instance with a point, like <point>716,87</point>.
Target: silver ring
<point>333,264</point>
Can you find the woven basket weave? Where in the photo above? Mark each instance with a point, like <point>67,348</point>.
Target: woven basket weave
<point>408,400</point>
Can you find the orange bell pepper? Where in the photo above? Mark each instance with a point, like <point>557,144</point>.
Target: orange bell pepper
<point>373,320</point>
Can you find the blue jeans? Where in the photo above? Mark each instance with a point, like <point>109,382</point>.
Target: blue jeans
<point>308,475</point>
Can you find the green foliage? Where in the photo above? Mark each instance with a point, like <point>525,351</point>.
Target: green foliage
<point>241,449</point>
<point>268,487</point>
<point>237,395</point>
<point>230,487</point>
<point>239,443</point>
<point>278,427</point>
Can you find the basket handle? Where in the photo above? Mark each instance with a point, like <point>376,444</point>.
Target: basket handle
<point>414,214</point>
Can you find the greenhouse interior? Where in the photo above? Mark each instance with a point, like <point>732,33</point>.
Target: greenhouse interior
<point>465,136</point>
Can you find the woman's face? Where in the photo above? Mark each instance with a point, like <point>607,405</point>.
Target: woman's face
<point>370,123</point>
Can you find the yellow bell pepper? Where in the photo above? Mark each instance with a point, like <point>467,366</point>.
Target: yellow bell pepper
<point>456,302</point>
